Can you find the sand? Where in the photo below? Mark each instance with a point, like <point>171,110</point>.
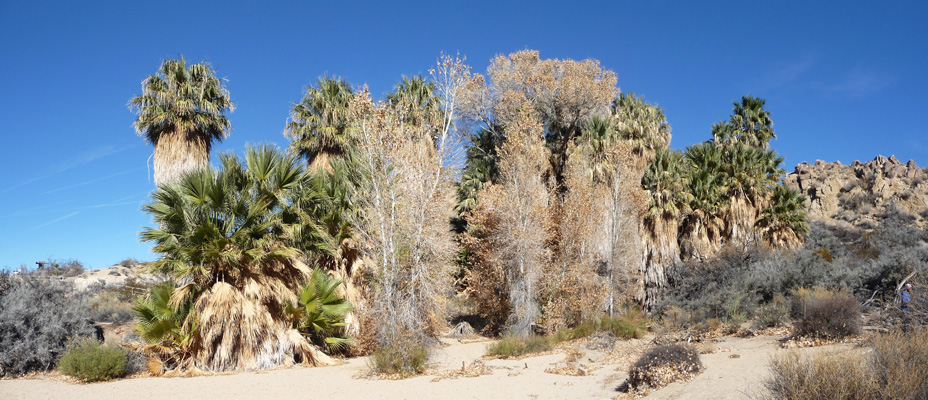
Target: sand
<point>735,369</point>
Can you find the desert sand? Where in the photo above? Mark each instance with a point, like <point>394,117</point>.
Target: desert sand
<point>735,369</point>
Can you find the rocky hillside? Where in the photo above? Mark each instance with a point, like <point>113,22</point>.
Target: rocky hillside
<point>864,195</point>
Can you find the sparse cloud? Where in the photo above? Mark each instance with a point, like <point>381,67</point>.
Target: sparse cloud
<point>788,73</point>
<point>856,83</point>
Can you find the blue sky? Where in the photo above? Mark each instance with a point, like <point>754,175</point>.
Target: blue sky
<point>843,80</point>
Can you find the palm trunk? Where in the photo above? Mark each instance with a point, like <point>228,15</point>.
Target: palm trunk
<point>177,153</point>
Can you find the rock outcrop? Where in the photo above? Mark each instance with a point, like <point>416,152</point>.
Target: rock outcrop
<point>863,194</point>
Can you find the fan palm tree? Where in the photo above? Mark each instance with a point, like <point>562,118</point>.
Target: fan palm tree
<point>416,98</point>
<point>320,312</point>
<point>181,112</point>
<point>707,184</point>
<point>641,123</point>
<point>753,121</point>
<point>318,125</point>
<point>784,221</point>
<point>481,167</point>
<point>164,326</point>
<point>665,186</point>
<point>236,237</point>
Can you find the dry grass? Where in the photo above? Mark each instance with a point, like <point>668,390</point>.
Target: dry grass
<point>896,368</point>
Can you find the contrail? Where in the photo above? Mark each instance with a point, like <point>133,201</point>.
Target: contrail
<point>56,220</point>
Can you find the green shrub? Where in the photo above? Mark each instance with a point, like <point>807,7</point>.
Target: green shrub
<point>662,365</point>
<point>515,346</point>
<point>830,315</point>
<point>404,359</point>
<point>632,325</point>
<point>90,361</point>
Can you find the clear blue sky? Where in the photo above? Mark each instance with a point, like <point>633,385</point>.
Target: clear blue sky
<point>844,81</point>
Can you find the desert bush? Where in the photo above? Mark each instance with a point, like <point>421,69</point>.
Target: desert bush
<point>897,368</point>
<point>663,365</point>
<point>106,306</point>
<point>128,262</point>
<point>90,361</point>
<point>516,346</point>
<point>131,288</point>
<point>38,316</point>
<point>64,268</point>
<point>774,313</point>
<point>900,363</point>
<point>631,325</point>
<point>404,358</point>
<point>830,314</point>
<point>824,375</point>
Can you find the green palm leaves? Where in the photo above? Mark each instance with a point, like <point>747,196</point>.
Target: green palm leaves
<point>665,183</point>
<point>181,112</point>
<point>320,311</point>
<point>749,124</point>
<point>163,325</point>
<point>318,125</point>
<point>219,225</point>
<point>641,123</point>
<point>785,219</point>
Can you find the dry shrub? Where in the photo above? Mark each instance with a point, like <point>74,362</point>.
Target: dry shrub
<point>662,365</point>
<point>106,306</point>
<point>403,359</point>
<point>830,314</point>
<point>773,314</point>
<point>826,375</point>
<point>900,361</point>
<point>897,368</point>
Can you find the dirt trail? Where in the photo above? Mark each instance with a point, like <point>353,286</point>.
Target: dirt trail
<point>735,372</point>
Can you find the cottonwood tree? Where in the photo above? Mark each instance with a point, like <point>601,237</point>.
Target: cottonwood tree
<point>519,205</point>
<point>405,201</point>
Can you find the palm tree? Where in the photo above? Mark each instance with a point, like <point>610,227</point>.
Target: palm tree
<point>165,327</point>
<point>641,123</point>
<point>481,167</point>
<point>784,221</point>
<point>707,184</point>
<point>749,124</point>
<point>320,312</point>
<point>236,236</point>
<point>181,112</point>
<point>665,186</point>
<point>318,125</point>
<point>416,98</point>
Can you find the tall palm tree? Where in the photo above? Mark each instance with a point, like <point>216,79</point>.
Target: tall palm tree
<point>665,186</point>
<point>318,125</point>
<point>707,184</point>
<point>784,221</point>
<point>236,236</point>
<point>749,124</point>
<point>181,112</point>
<point>753,121</point>
<point>481,166</point>
<point>416,97</point>
<point>641,123</point>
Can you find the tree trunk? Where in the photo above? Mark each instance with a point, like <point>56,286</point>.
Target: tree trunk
<point>177,153</point>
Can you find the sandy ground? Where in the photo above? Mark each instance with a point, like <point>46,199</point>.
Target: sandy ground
<point>735,369</point>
